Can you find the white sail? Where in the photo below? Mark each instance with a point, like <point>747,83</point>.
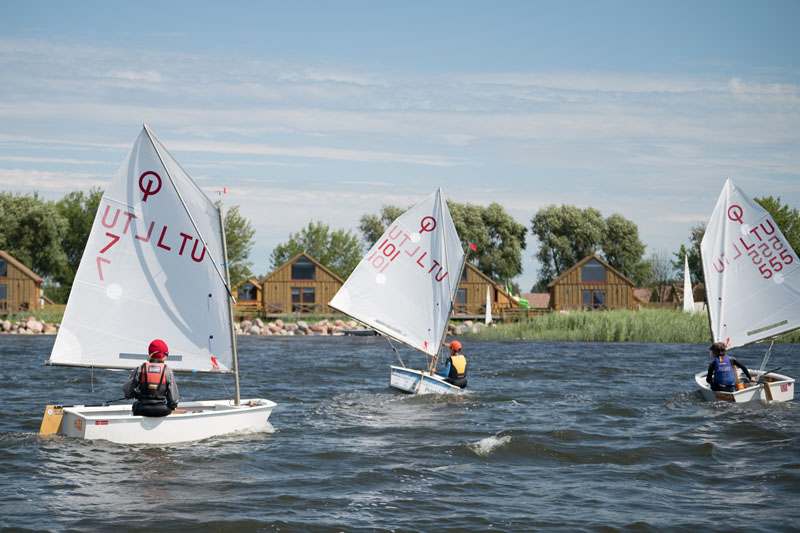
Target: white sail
<point>404,286</point>
<point>688,295</point>
<point>488,318</point>
<point>752,274</point>
<point>146,273</point>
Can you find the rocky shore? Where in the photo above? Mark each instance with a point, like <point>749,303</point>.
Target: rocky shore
<point>327,327</point>
<point>32,326</point>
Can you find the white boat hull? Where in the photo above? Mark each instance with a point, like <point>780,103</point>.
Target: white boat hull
<point>203,419</point>
<point>418,382</point>
<point>771,388</point>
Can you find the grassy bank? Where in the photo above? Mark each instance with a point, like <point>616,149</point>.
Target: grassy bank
<point>611,326</point>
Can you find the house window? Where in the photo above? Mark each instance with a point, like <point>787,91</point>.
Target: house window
<point>303,268</point>
<point>593,272</point>
<point>247,291</point>
<point>3,268</point>
<point>303,299</point>
<point>593,300</point>
<point>3,292</point>
<point>461,301</point>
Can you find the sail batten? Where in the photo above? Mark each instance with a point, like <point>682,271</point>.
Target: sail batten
<point>405,285</point>
<point>752,273</point>
<point>149,270</point>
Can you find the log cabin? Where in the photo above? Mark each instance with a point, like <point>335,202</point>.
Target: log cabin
<point>20,287</point>
<point>590,285</point>
<point>301,285</point>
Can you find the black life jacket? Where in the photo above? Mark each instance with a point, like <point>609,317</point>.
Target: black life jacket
<point>152,382</point>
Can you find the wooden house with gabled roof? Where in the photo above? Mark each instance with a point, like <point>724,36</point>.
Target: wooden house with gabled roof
<point>300,285</point>
<point>591,284</point>
<point>20,287</point>
<point>471,295</point>
<point>248,296</point>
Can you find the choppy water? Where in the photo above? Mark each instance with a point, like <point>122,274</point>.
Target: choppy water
<point>567,436</point>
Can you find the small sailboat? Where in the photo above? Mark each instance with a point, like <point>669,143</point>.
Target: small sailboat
<point>153,267</point>
<point>488,318</point>
<point>688,296</point>
<point>752,280</point>
<point>405,286</point>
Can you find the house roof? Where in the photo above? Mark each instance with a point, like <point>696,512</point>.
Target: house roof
<point>586,260</point>
<point>295,258</point>
<point>537,300</point>
<point>30,273</point>
<point>254,281</point>
<point>643,295</point>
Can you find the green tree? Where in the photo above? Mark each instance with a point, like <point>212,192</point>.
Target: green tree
<point>693,251</point>
<point>623,250</point>
<point>239,241</point>
<point>498,238</point>
<point>787,219</point>
<point>372,226</point>
<point>32,231</point>
<point>78,210</point>
<point>338,250</point>
<point>566,235</point>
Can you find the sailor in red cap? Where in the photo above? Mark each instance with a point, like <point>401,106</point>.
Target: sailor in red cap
<point>455,370</point>
<point>153,384</point>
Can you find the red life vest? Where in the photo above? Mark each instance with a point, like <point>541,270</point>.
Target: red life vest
<point>152,379</point>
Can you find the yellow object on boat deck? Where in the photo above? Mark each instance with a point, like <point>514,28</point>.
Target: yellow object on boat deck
<point>51,422</point>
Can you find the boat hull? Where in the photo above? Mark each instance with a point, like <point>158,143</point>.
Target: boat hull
<point>771,388</point>
<point>201,420</point>
<point>418,382</point>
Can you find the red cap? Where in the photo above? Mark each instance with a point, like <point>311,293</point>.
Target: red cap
<point>455,345</point>
<point>158,348</point>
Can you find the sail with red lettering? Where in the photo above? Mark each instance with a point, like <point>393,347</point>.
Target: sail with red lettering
<point>752,274</point>
<point>405,285</point>
<point>150,270</point>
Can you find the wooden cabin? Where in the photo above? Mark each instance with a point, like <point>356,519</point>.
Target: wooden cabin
<point>301,285</point>
<point>248,296</point>
<point>471,295</point>
<point>591,284</point>
<point>20,287</point>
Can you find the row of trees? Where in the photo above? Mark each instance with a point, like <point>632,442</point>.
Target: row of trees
<point>49,236</point>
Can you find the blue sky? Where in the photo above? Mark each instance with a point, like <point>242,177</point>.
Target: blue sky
<point>329,110</point>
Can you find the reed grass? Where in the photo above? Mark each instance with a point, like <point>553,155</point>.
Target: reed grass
<point>611,326</point>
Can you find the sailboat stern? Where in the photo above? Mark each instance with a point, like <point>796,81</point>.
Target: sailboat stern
<point>52,420</point>
<point>771,387</point>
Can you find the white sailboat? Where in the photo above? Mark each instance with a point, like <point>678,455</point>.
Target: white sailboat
<point>752,280</point>
<point>488,318</point>
<point>688,296</point>
<point>151,269</point>
<point>404,289</point>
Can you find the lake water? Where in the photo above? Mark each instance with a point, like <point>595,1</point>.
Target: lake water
<point>551,436</point>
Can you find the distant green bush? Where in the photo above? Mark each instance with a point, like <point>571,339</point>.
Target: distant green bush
<point>611,326</point>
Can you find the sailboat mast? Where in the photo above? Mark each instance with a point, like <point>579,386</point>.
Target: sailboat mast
<point>453,294</point>
<point>230,308</point>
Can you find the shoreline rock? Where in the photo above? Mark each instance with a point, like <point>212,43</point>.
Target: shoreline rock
<point>31,326</point>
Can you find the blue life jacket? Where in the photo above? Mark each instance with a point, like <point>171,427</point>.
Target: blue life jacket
<point>724,373</point>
